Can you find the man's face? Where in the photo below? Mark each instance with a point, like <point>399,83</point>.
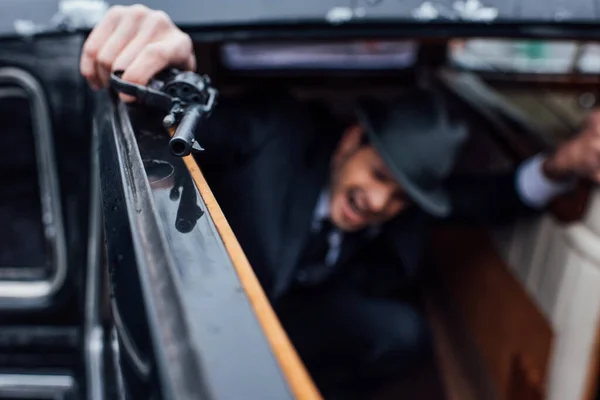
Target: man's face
<point>363,190</point>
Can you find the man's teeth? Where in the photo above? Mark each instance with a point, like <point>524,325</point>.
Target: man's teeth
<point>353,206</point>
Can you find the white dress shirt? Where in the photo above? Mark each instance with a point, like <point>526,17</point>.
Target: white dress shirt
<point>534,188</point>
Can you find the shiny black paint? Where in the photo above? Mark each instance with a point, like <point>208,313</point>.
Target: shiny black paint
<point>125,287</point>
<point>218,20</point>
<point>254,12</point>
<point>223,12</point>
<point>47,335</point>
<point>24,253</point>
<point>174,285</point>
<point>54,62</point>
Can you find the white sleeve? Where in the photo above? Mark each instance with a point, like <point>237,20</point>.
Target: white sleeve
<point>534,188</point>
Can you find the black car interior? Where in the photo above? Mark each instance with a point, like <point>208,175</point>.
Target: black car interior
<point>511,115</point>
<point>53,295</point>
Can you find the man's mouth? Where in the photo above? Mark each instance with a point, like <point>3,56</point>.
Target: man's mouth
<point>354,212</point>
<point>353,205</point>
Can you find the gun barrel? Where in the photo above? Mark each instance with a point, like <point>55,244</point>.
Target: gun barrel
<point>185,135</point>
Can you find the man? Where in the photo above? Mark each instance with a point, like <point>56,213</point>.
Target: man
<point>332,218</point>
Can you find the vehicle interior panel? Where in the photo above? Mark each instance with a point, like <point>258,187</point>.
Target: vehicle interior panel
<point>224,330</point>
<point>514,310</point>
<point>547,254</point>
<point>44,213</point>
<point>23,253</point>
<point>59,93</point>
<point>558,113</point>
<point>531,266</point>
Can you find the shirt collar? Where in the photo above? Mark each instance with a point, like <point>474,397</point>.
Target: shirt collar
<point>322,212</point>
<point>322,209</point>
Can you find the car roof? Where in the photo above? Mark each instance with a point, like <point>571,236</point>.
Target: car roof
<point>263,11</point>
<point>260,12</point>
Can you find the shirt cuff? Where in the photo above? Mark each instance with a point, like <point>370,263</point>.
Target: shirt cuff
<point>533,186</point>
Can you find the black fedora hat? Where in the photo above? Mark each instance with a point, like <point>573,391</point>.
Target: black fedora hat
<point>415,138</point>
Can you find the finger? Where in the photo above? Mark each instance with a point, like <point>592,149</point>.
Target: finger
<point>102,74</point>
<point>594,115</point>
<point>151,60</point>
<point>174,51</point>
<point>190,63</point>
<point>593,123</point>
<point>148,62</point>
<point>152,29</point>
<point>94,42</point>
<point>123,34</point>
<point>156,26</point>
<point>594,147</point>
<point>589,160</point>
<point>128,55</point>
<point>133,50</point>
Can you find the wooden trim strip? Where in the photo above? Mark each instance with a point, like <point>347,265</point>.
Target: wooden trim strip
<point>504,321</point>
<point>455,378</point>
<point>294,370</point>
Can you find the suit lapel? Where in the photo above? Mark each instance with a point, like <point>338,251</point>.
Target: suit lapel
<point>407,235</point>
<point>309,180</point>
<point>351,244</point>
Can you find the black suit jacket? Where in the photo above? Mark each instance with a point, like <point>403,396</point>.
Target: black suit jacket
<point>267,158</point>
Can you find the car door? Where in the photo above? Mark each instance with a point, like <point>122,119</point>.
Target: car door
<point>48,225</point>
<point>528,290</point>
<point>188,312</point>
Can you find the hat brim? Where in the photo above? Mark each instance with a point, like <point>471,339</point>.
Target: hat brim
<point>434,201</point>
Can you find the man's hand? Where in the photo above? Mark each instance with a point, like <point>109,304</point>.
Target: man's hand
<point>138,40</point>
<point>578,157</point>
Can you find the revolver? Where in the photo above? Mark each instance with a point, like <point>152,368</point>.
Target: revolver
<point>186,97</point>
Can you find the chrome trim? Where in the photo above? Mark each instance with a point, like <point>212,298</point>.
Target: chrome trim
<point>116,357</point>
<point>49,189</point>
<point>141,364</point>
<point>93,331</point>
<point>37,386</point>
<point>13,92</point>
